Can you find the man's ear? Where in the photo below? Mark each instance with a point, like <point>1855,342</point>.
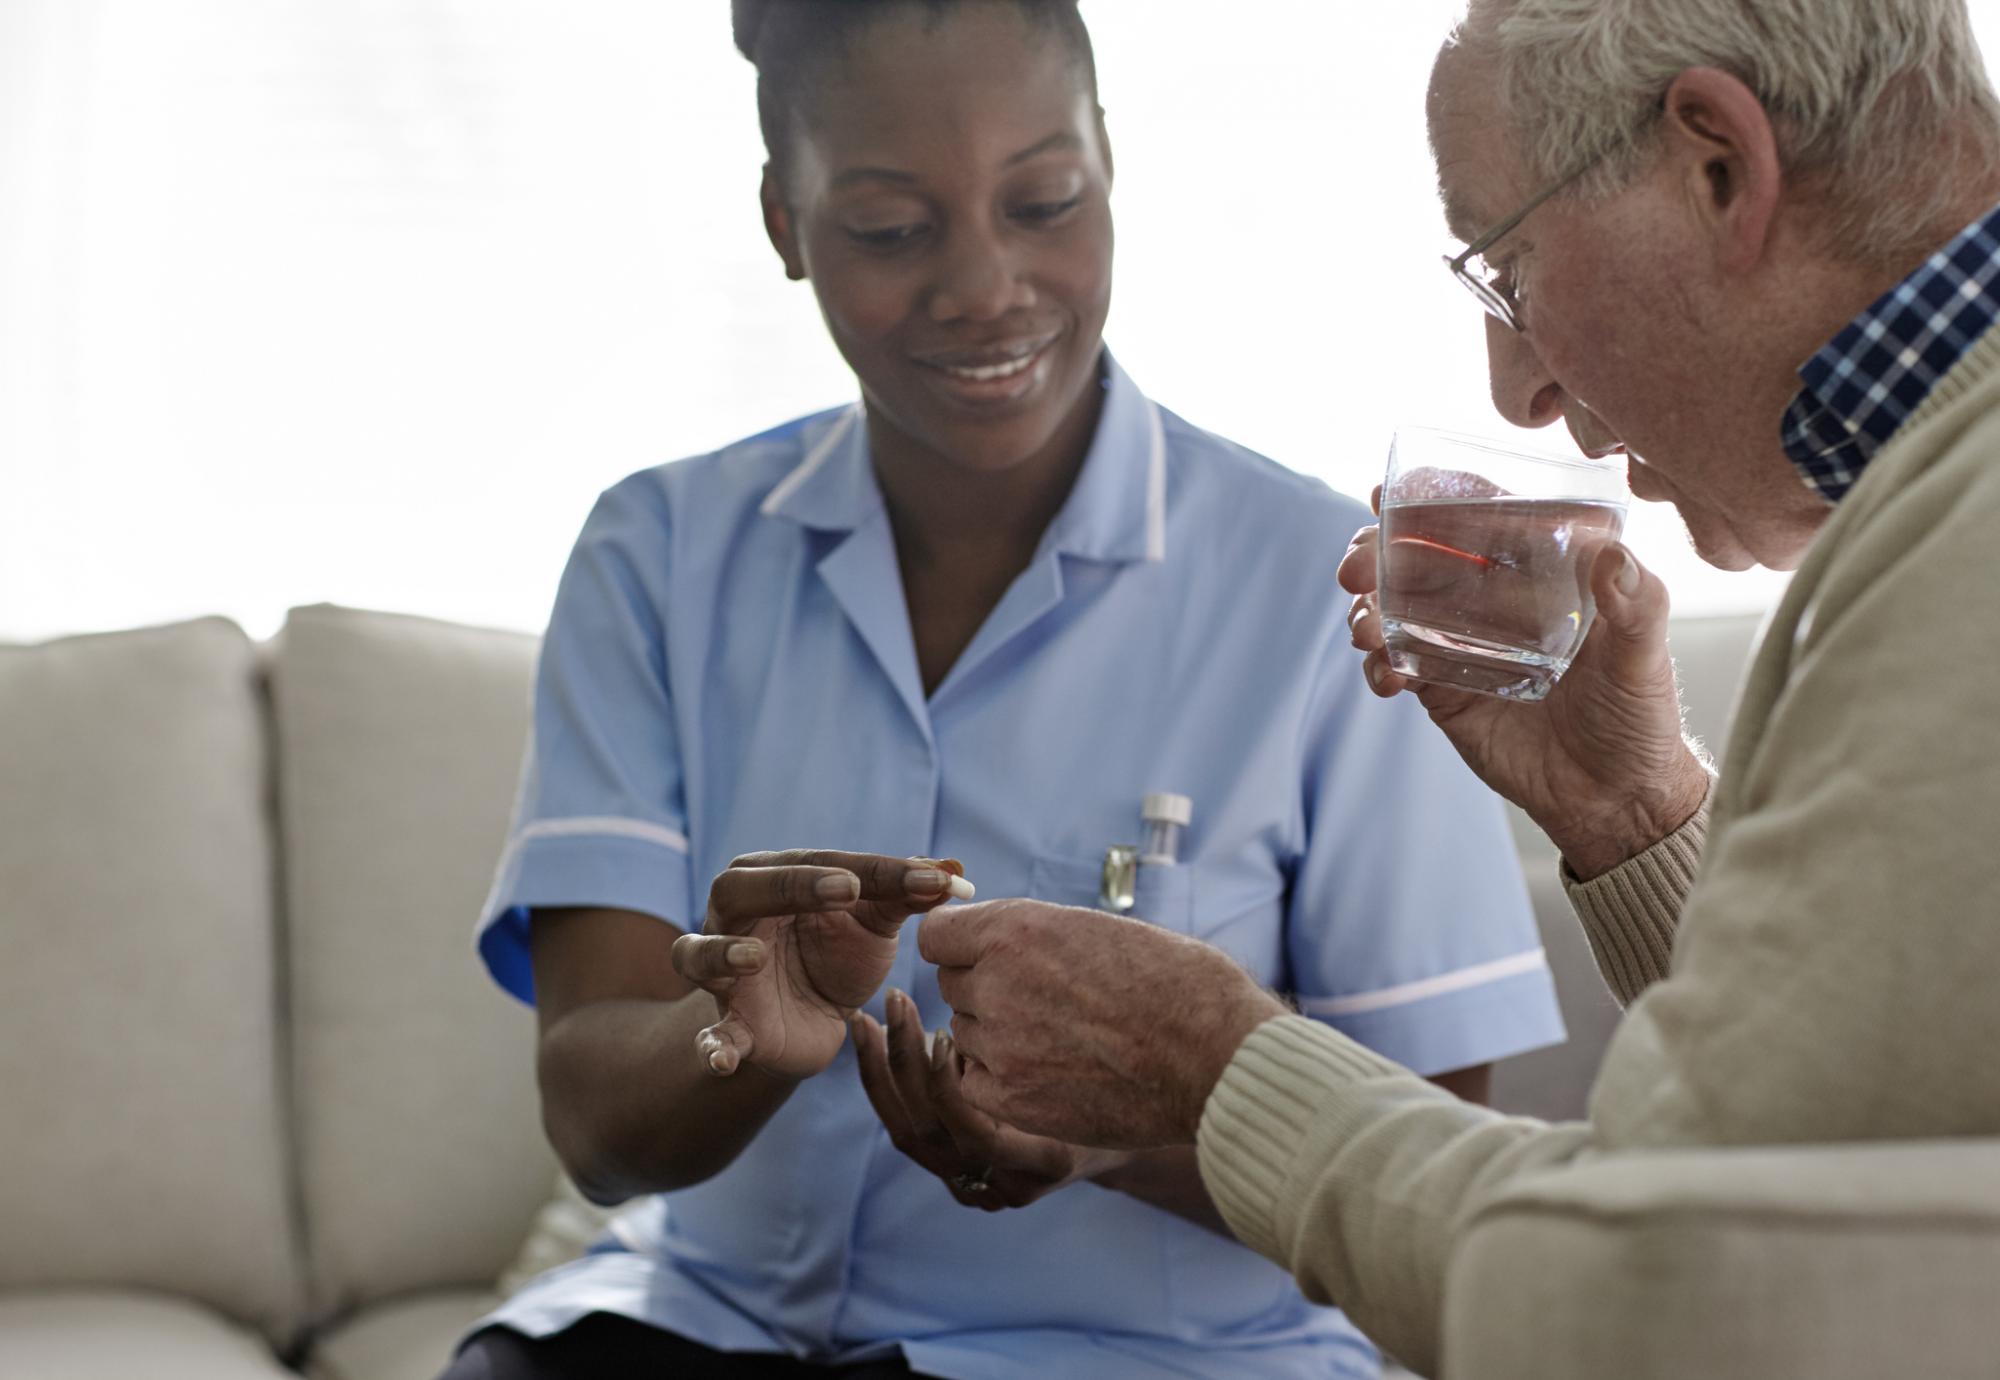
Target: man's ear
<point>1718,132</point>
<point>778,225</point>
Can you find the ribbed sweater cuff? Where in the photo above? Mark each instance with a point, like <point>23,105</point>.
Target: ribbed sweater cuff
<point>1632,912</point>
<point>1287,1074</point>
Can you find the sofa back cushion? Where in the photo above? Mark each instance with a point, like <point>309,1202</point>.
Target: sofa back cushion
<point>143,1141</point>
<point>420,1151</point>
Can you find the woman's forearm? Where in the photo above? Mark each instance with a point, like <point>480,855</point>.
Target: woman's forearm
<point>629,1107</point>
<point>1170,1180</point>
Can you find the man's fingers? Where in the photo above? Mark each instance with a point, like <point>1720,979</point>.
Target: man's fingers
<point>955,986</point>
<point>1364,626</point>
<point>1382,680</point>
<point>724,1046</point>
<point>1359,570</point>
<point>956,938</point>
<point>715,961</point>
<point>1632,608</point>
<point>968,1038</point>
<point>980,1090</point>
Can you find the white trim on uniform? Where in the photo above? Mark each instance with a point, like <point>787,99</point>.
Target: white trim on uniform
<point>790,484</point>
<point>1475,976</point>
<point>604,825</point>
<point>1156,489</point>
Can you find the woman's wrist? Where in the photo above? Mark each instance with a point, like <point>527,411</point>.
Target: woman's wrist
<point>1106,1168</point>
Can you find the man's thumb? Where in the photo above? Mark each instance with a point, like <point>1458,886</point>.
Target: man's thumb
<point>1632,604</point>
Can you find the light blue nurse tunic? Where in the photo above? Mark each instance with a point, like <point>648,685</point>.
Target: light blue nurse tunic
<point>729,668</point>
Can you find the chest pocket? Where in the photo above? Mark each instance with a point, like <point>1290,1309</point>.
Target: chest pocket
<point>1164,892</point>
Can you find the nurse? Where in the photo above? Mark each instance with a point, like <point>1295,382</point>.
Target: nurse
<point>981,614</point>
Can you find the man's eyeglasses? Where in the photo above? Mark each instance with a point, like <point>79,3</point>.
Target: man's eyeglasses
<point>1480,278</point>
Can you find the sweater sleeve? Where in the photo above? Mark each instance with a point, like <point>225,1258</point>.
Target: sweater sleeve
<point>1630,914</point>
<point>1354,1174</point>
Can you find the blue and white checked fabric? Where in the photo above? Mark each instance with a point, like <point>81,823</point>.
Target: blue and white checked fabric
<point>1872,377</point>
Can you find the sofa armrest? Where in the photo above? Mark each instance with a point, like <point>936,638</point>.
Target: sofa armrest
<point>1836,1262</point>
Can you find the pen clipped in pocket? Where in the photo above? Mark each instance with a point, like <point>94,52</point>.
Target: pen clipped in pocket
<point>1162,894</point>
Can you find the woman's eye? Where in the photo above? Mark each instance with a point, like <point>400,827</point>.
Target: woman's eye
<point>888,236</point>
<point>1039,211</point>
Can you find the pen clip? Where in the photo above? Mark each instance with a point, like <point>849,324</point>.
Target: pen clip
<point>1118,891</point>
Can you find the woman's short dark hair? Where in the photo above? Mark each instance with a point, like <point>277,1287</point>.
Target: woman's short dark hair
<point>791,41</point>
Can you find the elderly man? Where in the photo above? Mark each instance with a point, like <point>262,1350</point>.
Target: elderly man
<point>1673,203</point>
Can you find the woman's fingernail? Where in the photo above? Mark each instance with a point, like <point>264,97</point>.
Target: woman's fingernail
<point>897,997</point>
<point>925,881</point>
<point>743,955</point>
<point>941,1047</point>
<point>838,886</point>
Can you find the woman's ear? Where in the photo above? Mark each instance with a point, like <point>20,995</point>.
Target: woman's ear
<point>1722,138</point>
<point>778,225</point>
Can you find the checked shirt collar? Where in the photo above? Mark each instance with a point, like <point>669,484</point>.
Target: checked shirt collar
<point>1872,377</point>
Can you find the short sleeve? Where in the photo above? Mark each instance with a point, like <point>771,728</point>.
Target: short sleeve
<point>601,816</point>
<point>1409,927</point>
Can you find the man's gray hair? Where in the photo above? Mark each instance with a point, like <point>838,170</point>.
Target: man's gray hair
<point>1867,96</point>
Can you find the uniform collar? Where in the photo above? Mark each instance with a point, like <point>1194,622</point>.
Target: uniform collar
<point>1117,510</point>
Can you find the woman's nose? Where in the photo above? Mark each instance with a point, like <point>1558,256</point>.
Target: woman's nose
<point>979,279</point>
<point>1523,391</point>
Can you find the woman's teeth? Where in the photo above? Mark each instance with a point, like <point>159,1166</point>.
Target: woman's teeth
<point>987,373</point>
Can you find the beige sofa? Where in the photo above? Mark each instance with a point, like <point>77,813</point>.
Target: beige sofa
<point>260,1113</point>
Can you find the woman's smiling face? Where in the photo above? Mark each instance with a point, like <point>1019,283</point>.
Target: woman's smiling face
<point>946,188</point>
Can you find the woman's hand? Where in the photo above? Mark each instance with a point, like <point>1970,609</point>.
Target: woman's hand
<point>985,1163</point>
<point>793,943</point>
<point>1601,764</point>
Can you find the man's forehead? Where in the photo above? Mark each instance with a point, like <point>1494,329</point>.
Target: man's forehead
<point>1470,141</point>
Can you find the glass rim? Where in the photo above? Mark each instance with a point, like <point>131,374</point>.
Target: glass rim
<point>1507,449</point>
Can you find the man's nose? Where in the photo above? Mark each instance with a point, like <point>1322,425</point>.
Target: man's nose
<point>1523,391</point>
<point>979,279</point>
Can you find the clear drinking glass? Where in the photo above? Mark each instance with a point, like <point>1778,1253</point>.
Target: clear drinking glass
<point>1484,560</point>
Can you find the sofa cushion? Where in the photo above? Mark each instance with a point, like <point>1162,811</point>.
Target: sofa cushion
<point>116,1335</point>
<point>562,1231</point>
<point>420,1149</point>
<point>138,1002</point>
<point>403,1339</point>
<point>1839,1263</point>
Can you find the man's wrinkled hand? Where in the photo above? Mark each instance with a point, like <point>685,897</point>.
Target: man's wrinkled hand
<point>920,1098</point>
<point>1602,765</point>
<point>1087,1027</point>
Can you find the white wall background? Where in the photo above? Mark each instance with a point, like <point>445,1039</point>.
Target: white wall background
<point>365,300</point>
